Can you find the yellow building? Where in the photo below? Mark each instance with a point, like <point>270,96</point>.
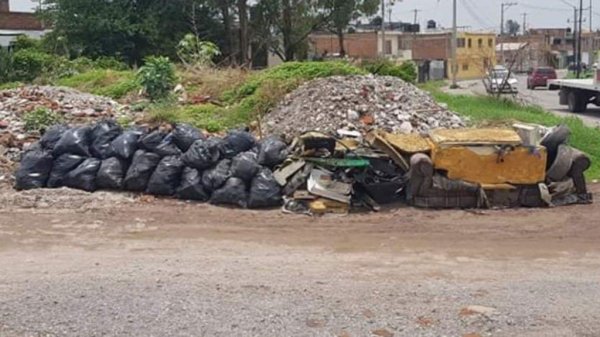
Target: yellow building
<point>476,53</point>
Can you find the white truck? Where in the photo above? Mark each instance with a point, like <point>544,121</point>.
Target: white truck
<point>577,94</point>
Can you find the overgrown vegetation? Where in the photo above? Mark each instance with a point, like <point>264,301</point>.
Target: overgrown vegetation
<point>487,110</point>
<point>248,100</point>
<point>103,82</point>
<point>40,119</point>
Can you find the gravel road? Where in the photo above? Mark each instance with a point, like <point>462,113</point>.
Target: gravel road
<point>75,264</point>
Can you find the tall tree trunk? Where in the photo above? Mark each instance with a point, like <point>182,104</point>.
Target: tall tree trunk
<point>227,25</point>
<point>340,35</point>
<point>244,40</point>
<point>287,30</point>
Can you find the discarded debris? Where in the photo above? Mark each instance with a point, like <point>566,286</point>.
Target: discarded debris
<point>358,103</point>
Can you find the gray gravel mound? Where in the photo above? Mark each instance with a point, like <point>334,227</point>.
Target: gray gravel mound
<point>359,102</point>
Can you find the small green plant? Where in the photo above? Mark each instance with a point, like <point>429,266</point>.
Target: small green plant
<point>25,42</point>
<point>157,77</point>
<point>40,119</point>
<point>6,65</point>
<point>196,53</point>
<point>407,71</point>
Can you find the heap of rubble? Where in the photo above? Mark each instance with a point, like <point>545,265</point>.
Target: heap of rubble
<point>74,106</point>
<point>359,102</point>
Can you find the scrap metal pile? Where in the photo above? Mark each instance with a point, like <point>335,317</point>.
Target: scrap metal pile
<point>462,168</point>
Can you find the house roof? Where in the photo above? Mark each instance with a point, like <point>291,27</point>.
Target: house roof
<point>511,46</point>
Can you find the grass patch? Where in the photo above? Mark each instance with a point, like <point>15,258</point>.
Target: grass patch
<point>103,82</point>
<point>571,75</point>
<point>10,85</point>
<point>486,110</point>
<point>213,82</point>
<point>209,117</point>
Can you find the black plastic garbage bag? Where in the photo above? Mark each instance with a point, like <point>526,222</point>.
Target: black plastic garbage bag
<point>62,166</point>
<point>125,145</point>
<point>236,142</point>
<point>83,177</point>
<point>151,141</point>
<point>245,166</point>
<point>232,193</point>
<point>74,141</point>
<point>214,178</point>
<point>167,147</point>
<point>203,153</point>
<point>102,135</point>
<point>111,174</point>
<point>264,191</point>
<point>52,136</point>
<point>34,169</point>
<point>184,135</point>
<point>273,152</point>
<point>166,177</point>
<point>141,169</point>
<point>191,187</point>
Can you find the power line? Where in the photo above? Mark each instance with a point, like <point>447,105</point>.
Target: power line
<point>474,15</point>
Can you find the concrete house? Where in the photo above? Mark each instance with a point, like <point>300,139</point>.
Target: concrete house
<point>17,17</point>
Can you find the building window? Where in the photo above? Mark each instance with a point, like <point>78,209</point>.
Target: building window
<point>480,43</point>
<point>388,47</point>
<point>460,43</point>
<point>490,43</point>
<point>470,43</point>
<point>465,67</point>
<point>556,42</point>
<point>486,63</point>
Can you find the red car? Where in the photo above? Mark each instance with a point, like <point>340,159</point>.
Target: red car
<point>539,77</point>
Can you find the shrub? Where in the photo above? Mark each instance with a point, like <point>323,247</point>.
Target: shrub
<point>6,65</point>
<point>26,42</point>
<point>407,71</point>
<point>157,77</point>
<point>193,52</point>
<point>40,119</point>
<point>29,64</point>
<point>105,62</point>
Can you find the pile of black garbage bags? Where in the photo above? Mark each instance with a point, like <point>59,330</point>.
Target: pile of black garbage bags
<point>182,162</point>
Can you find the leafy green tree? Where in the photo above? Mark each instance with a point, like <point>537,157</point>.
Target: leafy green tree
<point>130,29</point>
<point>339,13</point>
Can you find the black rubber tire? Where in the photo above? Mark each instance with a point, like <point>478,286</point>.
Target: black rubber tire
<point>576,102</point>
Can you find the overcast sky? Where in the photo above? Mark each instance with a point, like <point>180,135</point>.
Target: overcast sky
<point>485,14</point>
<point>23,5</point>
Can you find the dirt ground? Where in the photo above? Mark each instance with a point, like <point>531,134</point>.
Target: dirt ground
<point>103,264</point>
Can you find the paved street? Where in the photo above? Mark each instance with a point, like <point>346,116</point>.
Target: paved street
<point>545,98</point>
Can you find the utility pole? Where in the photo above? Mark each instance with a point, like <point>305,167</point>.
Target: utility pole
<point>504,6</point>
<point>453,43</point>
<point>575,30</point>
<point>524,23</point>
<point>591,16</point>
<point>416,11</point>
<point>579,38</point>
<point>383,28</point>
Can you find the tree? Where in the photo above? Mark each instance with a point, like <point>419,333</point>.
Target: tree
<point>512,27</point>
<point>130,29</point>
<point>341,12</point>
<point>242,9</point>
